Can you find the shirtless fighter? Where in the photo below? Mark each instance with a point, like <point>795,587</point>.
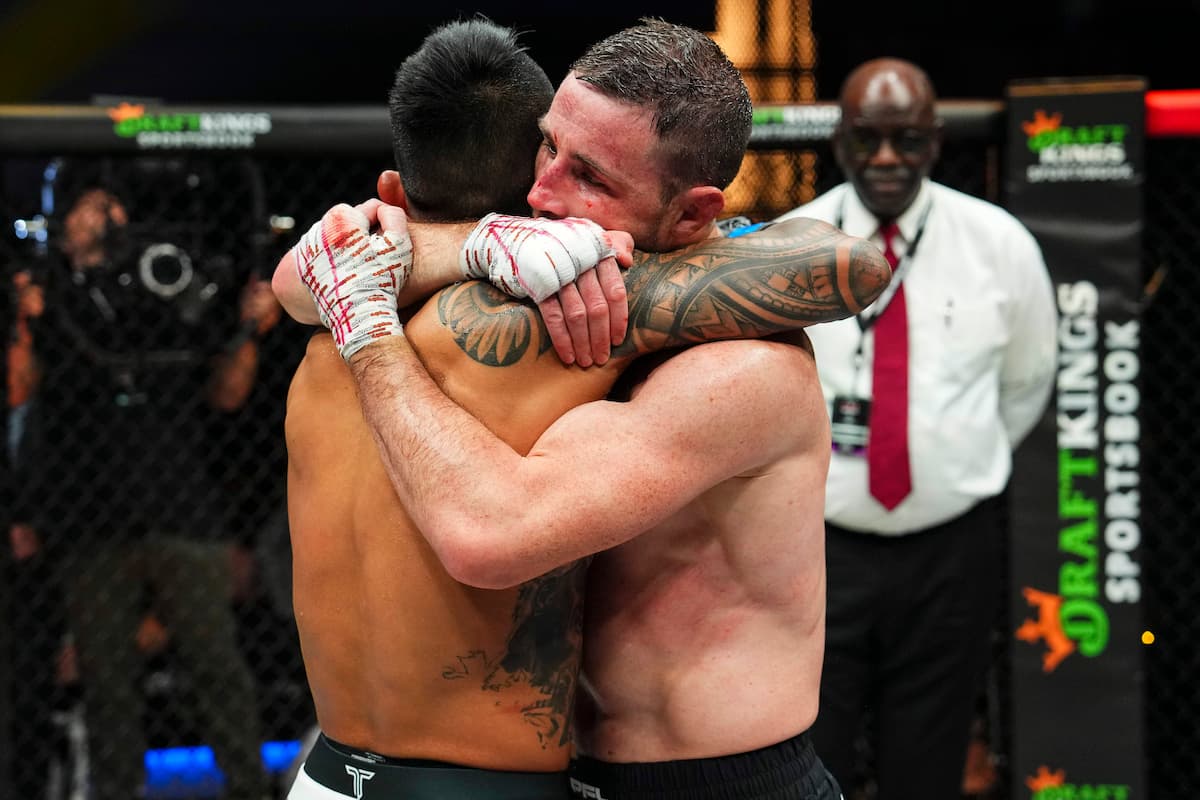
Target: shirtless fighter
<point>706,636</point>
<point>484,677</point>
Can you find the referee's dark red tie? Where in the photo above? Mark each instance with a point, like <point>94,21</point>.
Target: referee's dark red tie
<point>888,469</point>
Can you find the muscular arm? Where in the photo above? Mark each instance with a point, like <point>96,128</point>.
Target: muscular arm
<point>496,517</point>
<point>793,274</point>
<point>796,272</point>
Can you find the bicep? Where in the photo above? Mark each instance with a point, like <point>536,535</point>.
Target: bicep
<point>782,278</point>
<point>698,420</point>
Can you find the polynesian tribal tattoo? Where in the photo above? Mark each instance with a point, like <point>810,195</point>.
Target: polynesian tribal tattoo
<point>785,277</point>
<point>488,325</point>
<point>542,651</point>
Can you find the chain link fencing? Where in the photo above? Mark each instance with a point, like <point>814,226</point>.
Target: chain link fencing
<point>146,499</point>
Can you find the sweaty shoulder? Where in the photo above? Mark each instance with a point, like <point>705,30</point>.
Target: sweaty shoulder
<point>739,359</point>
<point>321,386</point>
<point>321,370</point>
<point>766,390</point>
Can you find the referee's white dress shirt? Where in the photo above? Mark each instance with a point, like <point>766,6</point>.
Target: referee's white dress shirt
<point>981,331</point>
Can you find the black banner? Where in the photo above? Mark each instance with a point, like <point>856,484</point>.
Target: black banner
<point>125,126</point>
<point>1075,171</point>
<point>132,126</point>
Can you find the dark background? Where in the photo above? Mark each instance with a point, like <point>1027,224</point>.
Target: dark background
<point>230,51</point>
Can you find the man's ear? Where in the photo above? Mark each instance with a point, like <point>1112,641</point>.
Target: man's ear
<point>391,189</point>
<point>694,212</point>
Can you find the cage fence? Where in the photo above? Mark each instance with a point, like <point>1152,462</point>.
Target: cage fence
<point>136,494</point>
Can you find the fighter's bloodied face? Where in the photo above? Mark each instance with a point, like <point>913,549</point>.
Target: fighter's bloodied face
<point>888,140</point>
<point>599,159</point>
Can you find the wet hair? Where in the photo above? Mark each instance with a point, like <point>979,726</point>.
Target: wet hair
<point>464,111</point>
<point>696,97</point>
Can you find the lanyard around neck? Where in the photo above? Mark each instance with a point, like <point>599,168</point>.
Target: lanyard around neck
<point>866,320</point>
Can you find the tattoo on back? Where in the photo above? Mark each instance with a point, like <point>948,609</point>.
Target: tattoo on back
<point>783,278</point>
<point>488,325</point>
<point>542,651</point>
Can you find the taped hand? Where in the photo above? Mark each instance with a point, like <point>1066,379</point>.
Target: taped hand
<point>353,275</point>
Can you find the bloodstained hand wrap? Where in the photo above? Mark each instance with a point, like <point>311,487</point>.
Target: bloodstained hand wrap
<point>533,258</point>
<point>354,277</point>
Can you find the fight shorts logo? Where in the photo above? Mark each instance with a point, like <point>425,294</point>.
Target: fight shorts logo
<point>586,790</point>
<point>360,776</point>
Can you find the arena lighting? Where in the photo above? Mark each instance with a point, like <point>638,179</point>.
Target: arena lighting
<point>193,772</point>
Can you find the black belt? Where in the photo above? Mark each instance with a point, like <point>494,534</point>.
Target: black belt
<point>368,777</point>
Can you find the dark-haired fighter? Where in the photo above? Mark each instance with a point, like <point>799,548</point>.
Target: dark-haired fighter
<point>705,621</point>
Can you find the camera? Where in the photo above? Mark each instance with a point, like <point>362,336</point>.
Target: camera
<point>182,280</point>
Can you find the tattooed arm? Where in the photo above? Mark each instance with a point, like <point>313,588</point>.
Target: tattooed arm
<point>790,275</point>
<point>494,515</point>
<point>796,273</point>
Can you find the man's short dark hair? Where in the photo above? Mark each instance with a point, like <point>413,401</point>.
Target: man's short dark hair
<point>464,110</point>
<point>699,102</point>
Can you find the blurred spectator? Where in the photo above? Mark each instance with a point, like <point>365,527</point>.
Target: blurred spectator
<point>136,349</point>
<point>22,367</point>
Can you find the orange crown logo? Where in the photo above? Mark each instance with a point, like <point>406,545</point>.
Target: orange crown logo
<point>1046,627</point>
<point>1041,123</point>
<point>1045,779</point>
<point>126,111</point>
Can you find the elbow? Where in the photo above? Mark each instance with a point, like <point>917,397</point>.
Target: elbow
<point>477,560</point>
<point>869,273</point>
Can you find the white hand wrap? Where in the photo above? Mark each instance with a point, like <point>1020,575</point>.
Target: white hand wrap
<point>532,258</point>
<point>354,277</point>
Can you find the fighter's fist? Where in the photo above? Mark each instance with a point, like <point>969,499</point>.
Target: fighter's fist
<point>354,275</point>
<point>535,258</point>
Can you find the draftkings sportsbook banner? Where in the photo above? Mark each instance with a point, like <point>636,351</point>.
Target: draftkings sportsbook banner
<point>1075,171</point>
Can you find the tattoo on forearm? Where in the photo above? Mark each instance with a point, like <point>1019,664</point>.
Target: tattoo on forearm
<point>731,288</point>
<point>543,651</point>
<point>786,277</point>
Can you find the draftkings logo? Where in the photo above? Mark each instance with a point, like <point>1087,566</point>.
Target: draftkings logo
<point>816,122</point>
<point>1046,626</point>
<point>1075,153</point>
<point>1050,784</point>
<point>200,130</point>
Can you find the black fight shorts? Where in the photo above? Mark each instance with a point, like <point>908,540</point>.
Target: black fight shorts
<point>333,771</point>
<point>789,770</point>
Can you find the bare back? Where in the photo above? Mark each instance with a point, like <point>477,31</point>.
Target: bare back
<point>402,660</point>
<point>705,634</point>
<point>407,662</point>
